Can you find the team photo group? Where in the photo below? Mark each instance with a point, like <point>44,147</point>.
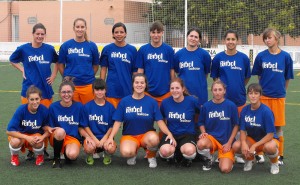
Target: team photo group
<point>158,98</point>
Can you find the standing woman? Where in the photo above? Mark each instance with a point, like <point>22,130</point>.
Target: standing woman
<point>28,127</point>
<point>37,58</point>
<point>193,65</point>
<point>117,62</point>
<point>99,113</point>
<point>274,68</point>
<point>138,112</point>
<point>233,68</point>
<point>258,132</point>
<point>79,58</point>
<point>218,125</point>
<point>179,111</point>
<point>68,121</point>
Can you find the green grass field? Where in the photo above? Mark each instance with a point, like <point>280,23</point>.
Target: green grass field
<point>119,173</point>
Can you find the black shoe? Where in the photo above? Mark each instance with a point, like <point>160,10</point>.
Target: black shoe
<point>56,164</point>
<point>30,156</point>
<point>46,155</point>
<point>280,161</point>
<point>207,164</point>
<point>186,163</point>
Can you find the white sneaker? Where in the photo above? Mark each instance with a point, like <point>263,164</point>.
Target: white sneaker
<point>152,162</point>
<point>239,160</point>
<point>96,156</point>
<point>260,159</point>
<point>62,156</point>
<point>248,165</point>
<point>131,161</point>
<point>274,168</point>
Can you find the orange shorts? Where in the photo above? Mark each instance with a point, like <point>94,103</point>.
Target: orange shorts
<point>240,108</point>
<point>218,147</point>
<point>46,102</point>
<point>83,93</point>
<point>68,140</point>
<point>159,99</point>
<point>261,147</point>
<point>26,144</point>
<point>114,101</point>
<point>138,139</point>
<point>277,105</point>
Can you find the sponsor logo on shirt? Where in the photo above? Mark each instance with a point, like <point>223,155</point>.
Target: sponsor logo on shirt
<point>188,65</point>
<point>158,57</point>
<point>176,115</point>
<point>69,120</point>
<point>122,56</point>
<point>216,114</point>
<point>251,121</point>
<point>232,65</point>
<point>79,51</point>
<point>99,119</point>
<point>32,124</point>
<point>39,59</point>
<point>269,65</point>
<point>138,111</point>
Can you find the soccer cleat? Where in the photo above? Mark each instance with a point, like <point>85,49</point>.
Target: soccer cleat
<point>248,165</point>
<point>186,163</point>
<point>106,159</point>
<point>56,164</point>
<point>207,164</point>
<point>152,162</point>
<point>280,161</point>
<point>15,160</point>
<point>96,156</point>
<point>29,156</point>
<point>46,155</point>
<point>260,159</point>
<point>39,160</point>
<point>274,168</point>
<point>131,161</point>
<point>239,160</point>
<point>89,160</point>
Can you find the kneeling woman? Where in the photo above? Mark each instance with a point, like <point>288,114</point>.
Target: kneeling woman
<point>258,133</point>
<point>28,127</point>
<point>99,112</point>
<point>68,122</point>
<point>138,113</point>
<point>179,112</point>
<point>218,125</point>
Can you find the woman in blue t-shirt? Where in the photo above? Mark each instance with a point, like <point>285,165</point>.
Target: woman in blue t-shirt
<point>218,124</point>
<point>27,128</point>
<point>179,112</point>
<point>118,63</point>
<point>258,133</point>
<point>138,112</point>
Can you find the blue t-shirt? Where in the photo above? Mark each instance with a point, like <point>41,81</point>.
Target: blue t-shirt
<point>120,62</point>
<point>180,116</point>
<point>138,116</point>
<point>157,64</point>
<point>37,66</point>
<point>257,123</point>
<point>232,70</point>
<point>68,118</point>
<point>24,121</point>
<point>273,70</point>
<point>79,59</point>
<point>192,67</point>
<point>219,119</point>
<point>99,117</point>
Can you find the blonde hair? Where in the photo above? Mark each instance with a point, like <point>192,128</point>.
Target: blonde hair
<point>268,31</point>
